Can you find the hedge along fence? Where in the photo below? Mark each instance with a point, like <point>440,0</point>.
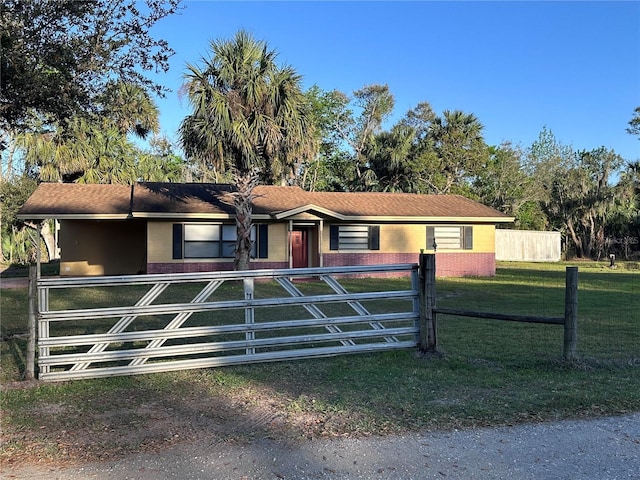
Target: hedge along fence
<point>429,311</point>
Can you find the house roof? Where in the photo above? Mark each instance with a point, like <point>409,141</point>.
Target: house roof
<point>215,201</point>
<point>74,200</point>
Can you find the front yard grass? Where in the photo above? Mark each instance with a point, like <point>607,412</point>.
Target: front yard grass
<point>488,373</point>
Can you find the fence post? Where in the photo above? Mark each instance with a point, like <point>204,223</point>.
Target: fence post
<point>428,326</point>
<point>30,367</point>
<point>249,313</point>
<point>571,313</point>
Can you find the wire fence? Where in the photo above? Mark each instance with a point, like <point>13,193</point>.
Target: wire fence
<point>608,323</point>
<point>608,314</point>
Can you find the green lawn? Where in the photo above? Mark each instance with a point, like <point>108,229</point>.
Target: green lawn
<point>490,373</point>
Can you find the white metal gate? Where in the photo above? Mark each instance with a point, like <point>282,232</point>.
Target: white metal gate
<point>171,322</point>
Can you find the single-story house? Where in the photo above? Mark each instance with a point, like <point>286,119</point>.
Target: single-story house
<point>190,227</point>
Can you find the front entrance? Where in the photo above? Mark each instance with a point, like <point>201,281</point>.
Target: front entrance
<point>300,248</point>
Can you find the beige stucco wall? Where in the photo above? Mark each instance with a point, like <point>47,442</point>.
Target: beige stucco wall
<point>102,247</point>
<point>484,238</point>
<point>159,242</point>
<point>411,238</point>
<point>394,238</point>
<point>402,238</point>
<point>160,250</point>
<point>278,243</point>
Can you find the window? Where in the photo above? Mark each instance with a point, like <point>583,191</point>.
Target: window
<point>450,237</point>
<point>203,240</point>
<point>354,237</point>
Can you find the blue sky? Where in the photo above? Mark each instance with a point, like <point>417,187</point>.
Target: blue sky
<point>573,67</point>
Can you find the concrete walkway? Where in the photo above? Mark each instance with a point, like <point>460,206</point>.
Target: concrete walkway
<point>601,449</point>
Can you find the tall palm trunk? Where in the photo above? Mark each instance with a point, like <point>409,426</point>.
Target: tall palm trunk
<point>243,202</point>
<point>250,115</point>
<point>47,231</point>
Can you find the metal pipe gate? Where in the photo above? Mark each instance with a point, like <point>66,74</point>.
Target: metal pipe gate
<point>159,330</point>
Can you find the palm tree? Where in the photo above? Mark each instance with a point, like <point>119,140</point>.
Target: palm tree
<point>249,116</point>
<point>82,151</point>
<point>58,154</point>
<point>130,109</point>
<point>460,147</point>
<point>94,148</point>
<point>390,158</point>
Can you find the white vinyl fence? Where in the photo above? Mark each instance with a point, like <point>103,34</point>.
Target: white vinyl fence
<point>528,246</point>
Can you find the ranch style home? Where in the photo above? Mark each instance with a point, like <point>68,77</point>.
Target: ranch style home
<point>178,227</point>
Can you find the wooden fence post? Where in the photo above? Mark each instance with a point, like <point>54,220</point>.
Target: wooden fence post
<point>571,313</point>
<point>428,326</point>
<point>30,367</point>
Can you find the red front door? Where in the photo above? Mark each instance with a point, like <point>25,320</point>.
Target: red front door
<point>299,249</point>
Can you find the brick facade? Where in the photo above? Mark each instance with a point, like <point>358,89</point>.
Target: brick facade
<point>465,264</point>
<point>448,264</point>
<point>378,258</point>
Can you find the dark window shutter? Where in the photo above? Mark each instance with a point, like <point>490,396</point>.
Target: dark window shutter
<point>177,240</point>
<point>263,240</point>
<point>334,236</point>
<point>468,238</point>
<point>431,237</point>
<point>374,237</point>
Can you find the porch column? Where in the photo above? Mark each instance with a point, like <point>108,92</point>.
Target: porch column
<point>290,246</point>
<point>320,228</point>
<point>38,250</point>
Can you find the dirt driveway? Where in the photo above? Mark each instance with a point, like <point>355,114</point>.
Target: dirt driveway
<point>17,282</point>
<point>603,449</point>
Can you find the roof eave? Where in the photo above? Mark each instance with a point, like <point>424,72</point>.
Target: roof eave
<point>431,219</point>
<point>181,215</point>
<point>194,216</point>
<point>73,216</point>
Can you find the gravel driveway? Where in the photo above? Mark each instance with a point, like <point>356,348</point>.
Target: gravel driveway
<point>601,449</point>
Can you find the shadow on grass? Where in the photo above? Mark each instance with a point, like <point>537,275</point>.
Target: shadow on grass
<point>355,395</point>
<point>16,271</point>
<point>491,373</point>
<point>13,363</point>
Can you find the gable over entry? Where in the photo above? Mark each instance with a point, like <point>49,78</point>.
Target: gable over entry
<point>175,227</point>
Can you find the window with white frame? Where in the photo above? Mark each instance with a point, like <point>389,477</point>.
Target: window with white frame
<point>206,240</point>
<point>449,237</point>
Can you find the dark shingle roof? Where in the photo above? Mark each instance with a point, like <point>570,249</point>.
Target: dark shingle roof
<point>162,200</point>
<point>194,198</point>
<point>373,204</point>
<point>55,200</point>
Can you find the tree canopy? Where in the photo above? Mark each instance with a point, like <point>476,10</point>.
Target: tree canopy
<point>249,116</point>
<point>74,92</point>
<point>58,56</point>
<point>634,123</point>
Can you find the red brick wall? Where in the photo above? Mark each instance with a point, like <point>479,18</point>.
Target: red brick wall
<point>348,259</point>
<point>465,264</point>
<point>447,264</point>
